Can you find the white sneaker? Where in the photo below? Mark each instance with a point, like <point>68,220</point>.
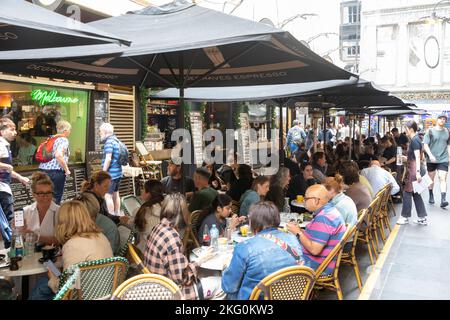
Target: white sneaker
<point>402,220</point>
<point>422,221</point>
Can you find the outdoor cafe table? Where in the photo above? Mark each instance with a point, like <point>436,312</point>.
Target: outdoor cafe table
<point>29,265</point>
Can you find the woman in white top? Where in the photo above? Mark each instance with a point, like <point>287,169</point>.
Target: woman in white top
<point>148,214</point>
<point>41,216</point>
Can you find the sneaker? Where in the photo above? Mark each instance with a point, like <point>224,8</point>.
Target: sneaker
<point>402,220</point>
<point>444,204</point>
<point>422,221</point>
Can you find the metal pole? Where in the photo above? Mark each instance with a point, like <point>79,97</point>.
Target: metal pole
<point>181,120</point>
<point>368,136</point>
<point>282,153</point>
<point>324,128</point>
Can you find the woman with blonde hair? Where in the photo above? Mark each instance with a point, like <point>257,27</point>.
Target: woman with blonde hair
<point>82,240</point>
<point>345,205</point>
<point>41,216</point>
<point>58,168</point>
<point>107,226</point>
<point>164,253</point>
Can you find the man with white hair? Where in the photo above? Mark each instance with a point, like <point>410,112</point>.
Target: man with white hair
<point>378,177</point>
<point>295,136</point>
<point>58,168</point>
<point>111,164</point>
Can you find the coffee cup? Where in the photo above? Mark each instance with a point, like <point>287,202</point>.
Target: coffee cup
<point>48,253</point>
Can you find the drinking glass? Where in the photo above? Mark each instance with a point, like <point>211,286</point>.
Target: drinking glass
<point>30,242</point>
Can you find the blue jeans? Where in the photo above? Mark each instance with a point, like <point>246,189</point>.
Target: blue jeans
<point>42,290</point>
<point>58,178</point>
<point>7,210</point>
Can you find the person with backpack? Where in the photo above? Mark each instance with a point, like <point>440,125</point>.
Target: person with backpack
<point>436,144</point>
<point>115,155</point>
<point>53,154</point>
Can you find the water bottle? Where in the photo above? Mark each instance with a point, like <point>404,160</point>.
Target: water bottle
<point>19,245</point>
<point>214,237</point>
<point>399,156</point>
<point>206,237</point>
<point>286,207</point>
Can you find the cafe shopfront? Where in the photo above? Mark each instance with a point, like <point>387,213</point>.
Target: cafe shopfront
<point>36,105</point>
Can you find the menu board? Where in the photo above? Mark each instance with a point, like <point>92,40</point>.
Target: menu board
<point>245,138</point>
<point>100,102</point>
<point>197,136</point>
<point>94,161</point>
<point>23,195</point>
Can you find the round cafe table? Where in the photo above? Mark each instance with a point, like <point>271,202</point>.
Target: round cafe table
<point>29,265</point>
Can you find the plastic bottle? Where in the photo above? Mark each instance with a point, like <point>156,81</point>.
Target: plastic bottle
<point>214,237</point>
<point>19,245</point>
<point>286,206</point>
<point>399,156</point>
<point>206,237</point>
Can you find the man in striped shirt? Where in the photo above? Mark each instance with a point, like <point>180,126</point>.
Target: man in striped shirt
<point>111,164</point>
<point>323,233</point>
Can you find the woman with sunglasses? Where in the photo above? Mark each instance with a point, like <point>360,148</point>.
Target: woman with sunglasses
<point>41,216</point>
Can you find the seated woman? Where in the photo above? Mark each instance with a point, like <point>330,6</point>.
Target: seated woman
<point>300,183</point>
<point>270,250</point>
<point>359,192</point>
<point>149,213</point>
<point>243,183</point>
<point>164,254</point>
<point>278,184</point>
<point>106,225</point>
<point>82,240</point>
<point>214,182</point>
<point>345,205</point>
<point>258,191</point>
<point>220,210</point>
<point>98,185</point>
<point>41,216</point>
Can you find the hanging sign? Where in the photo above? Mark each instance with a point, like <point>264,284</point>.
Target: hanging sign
<point>48,97</point>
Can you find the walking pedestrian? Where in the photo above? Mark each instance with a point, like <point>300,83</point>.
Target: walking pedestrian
<point>7,134</point>
<point>57,168</point>
<point>112,165</point>
<point>414,173</point>
<point>436,144</point>
<point>295,136</point>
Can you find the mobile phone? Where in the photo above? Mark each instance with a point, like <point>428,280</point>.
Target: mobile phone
<point>51,266</point>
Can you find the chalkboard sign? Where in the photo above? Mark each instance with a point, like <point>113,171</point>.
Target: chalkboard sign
<point>100,103</point>
<point>94,161</point>
<point>197,136</point>
<point>23,196</point>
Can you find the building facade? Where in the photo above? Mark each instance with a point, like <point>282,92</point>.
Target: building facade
<point>350,34</point>
<point>406,51</point>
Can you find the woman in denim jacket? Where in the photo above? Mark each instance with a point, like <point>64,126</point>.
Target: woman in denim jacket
<point>261,255</point>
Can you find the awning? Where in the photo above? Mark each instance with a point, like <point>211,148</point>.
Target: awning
<point>27,26</point>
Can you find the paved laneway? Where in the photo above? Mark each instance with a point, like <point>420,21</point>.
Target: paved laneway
<point>416,265</point>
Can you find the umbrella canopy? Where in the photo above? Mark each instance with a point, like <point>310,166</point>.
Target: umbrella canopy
<point>27,26</point>
<point>184,45</point>
<point>251,93</point>
<point>399,112</point>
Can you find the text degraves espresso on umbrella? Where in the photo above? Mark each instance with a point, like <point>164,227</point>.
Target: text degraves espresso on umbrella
<point>225,310</point>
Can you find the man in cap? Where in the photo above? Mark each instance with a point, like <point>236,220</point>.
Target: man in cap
<point>436,144</point>
<point>172,183</point>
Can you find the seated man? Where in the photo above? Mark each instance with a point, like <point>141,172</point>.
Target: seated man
<point>172,183</point>
<point>202,199</point>
<point>378,177</point>
<point>368,155</point>
<point>319,163</point>
<point>323,233</point>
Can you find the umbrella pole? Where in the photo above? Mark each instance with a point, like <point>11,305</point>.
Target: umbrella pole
<point>324,128</point>
<point>182,122</point>
<point>368,134</point>
<point>280,130</point>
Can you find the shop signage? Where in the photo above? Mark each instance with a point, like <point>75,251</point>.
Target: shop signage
<point>46,97</point>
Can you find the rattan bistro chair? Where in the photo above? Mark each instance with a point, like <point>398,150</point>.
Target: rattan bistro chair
<point>148,287</point>
<point>70,284</point>
<point>190,237</point>
<point>291,283</point>
<point>98,278</point>
<point>348,254</point>
<point>127,235</point>
<point>331,281</point>
<point>135,257</point>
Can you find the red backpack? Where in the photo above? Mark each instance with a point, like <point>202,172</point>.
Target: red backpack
<point>44,152</point>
